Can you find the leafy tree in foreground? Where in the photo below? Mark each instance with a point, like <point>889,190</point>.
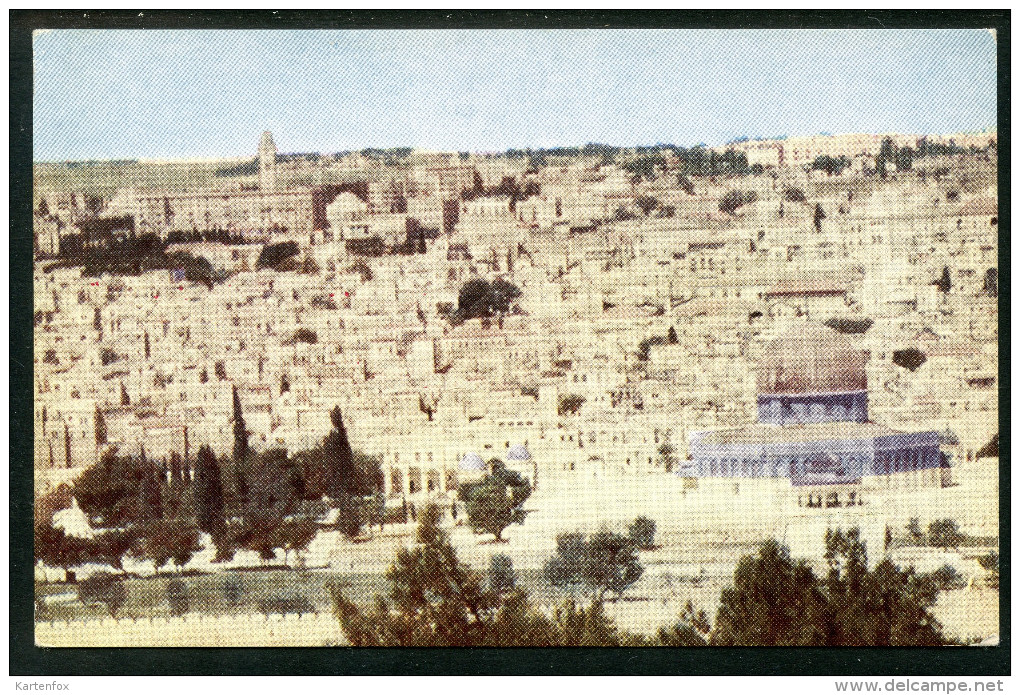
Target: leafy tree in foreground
<point>112,489</point>
<point>294,537</point>
<point>494,502</point>
<point>885,606</point>
<point>774,601</point>
<point>437,601</point>
<point>57,549</point>
<point>777,601</point>
<point>690,631</point>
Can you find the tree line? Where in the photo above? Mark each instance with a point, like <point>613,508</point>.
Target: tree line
<point>264,502</point>
<point>773,599</point>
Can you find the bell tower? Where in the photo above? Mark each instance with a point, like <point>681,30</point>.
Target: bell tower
<point>267,162</point>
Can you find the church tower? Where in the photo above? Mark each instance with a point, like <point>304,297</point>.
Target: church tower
<point>267,162</point>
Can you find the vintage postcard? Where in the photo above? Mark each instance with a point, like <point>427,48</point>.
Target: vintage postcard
<point>515,337</point>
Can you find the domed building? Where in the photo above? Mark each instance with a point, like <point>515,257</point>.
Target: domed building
<point>813,428</point>
<point>812,375</point>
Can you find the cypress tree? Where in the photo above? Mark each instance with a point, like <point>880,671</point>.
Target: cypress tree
<point>208,491</point>
<point>240,449</point>
<point>340,473</point>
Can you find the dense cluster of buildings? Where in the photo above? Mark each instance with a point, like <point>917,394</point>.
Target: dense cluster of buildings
<point>634,345</point>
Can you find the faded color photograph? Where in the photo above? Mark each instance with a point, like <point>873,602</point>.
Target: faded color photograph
<point>515,338</point>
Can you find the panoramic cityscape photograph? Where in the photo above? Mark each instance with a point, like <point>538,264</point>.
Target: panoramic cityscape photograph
<point>515,338</point>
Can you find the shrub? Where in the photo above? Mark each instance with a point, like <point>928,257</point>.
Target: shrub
<point>502,577</point>
<point>274,254</point>
<point>106,588</point>
<point>232,590</point>
<point>600,563</point>
<point>734,199</point>
<point>286,604</point>
<point>944,534</point>
<point>177,596</point>
<point>794,195</point>
<point>910,359</point>
<point>846,325</point>
<point>570,404</point>
<point>303,335</point>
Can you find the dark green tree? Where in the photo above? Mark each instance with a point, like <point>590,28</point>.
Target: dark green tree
<point>989,450</point>
<point>882,607</point>
<point>111,547</point>
<point>168,540</point>
<point>241,448</point>
<point>910,359</point>
<point>495,502</point>
<point>991,287</point>
<point>110,491</point>
<point>340,473</point>
<point>642,533</point>
<point>602,563</point>
<point>794,195</point>
<point>819,216</point>
<point>945,534</point>
<point>100,427</point>
<point>502,578</point>
<point>691,630</point>
<point>209,506</point>
<point>647,203</point>
<point>56,549</point>
<point>294,536</point>
<point>435,600</point>
<point>774,601</point>
<point>944,283</point>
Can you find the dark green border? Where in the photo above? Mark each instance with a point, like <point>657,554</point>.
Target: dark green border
<point>26,659</point>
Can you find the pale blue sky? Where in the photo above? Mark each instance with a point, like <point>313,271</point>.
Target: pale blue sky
<point>169,94</point>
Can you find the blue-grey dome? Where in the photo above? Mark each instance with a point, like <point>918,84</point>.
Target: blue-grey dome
<point>471,462</point>
<point>518,452</point>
